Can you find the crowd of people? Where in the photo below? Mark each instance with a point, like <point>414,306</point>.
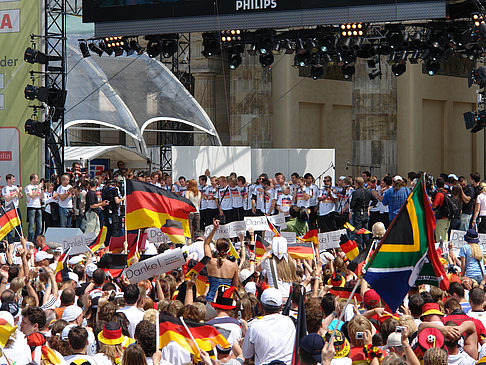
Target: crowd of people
<point>86,314</point>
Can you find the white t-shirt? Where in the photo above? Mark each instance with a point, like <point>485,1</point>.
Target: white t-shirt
<point>211,195</point>
<point>313,191</point>
<point>264,200</point>
<point>91,359</point>
<point>36,201</point>
<point>9,191</point>
<point>68,202</point>
<point>326,206</point>
<point>270,338</point>
<point>134,315</point>
<point>176,354</point>
<point>299,197</point>
<point>462,358</point>
<point>285,202</point>
<point>236,197</point>
<point>478,315</point>
<point>481,199</point>
<point>224,198</point>
<point>18,352</point>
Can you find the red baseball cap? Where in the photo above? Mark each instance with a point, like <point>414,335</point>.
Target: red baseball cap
<point>371,297</point>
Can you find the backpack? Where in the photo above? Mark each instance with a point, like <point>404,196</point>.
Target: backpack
<point>450,208</point>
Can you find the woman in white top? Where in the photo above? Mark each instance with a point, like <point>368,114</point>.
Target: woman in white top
<point>480,210</point>
<point>194,195</point>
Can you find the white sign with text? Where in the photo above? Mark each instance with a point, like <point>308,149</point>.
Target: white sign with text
<point>78,244</point>
<point>167,261</point>
<point>155,235</point>
<point>229,230</point>
<point>291,237</point>
<point>457,238</point>
<point>260,223</point>
<point>328,240</point>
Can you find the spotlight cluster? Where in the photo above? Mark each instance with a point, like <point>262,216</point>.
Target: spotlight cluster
<point>109,46</point>
<point>352,30</point>
<point>476,121</point>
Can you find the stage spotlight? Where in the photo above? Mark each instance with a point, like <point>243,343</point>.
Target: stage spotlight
<point>432,67</point>
<point>339,58</point>
<point>154,47</point>
<point>356,44</point>
<point>417,39</point>
<point>328,59</point>
<point>345,45</point>
<point>287,45</point>
<point>169,48</point>
<point>316,72</point>
<point>266,60</point>
<point>475,121</point>
<point>302,59</point>
<point>299,44</point>
<point>32,55</point>
<point>374,74</point>
<point>126,47</point>
<point>136,47</point>
<point>393,58</point>
<point>84,49</point>
<point>372,62</point>
<point>105,49</point>
<point>347,71</point>
<point>94,48</point>
<point>399,69</point>
<point>234,61</point>
<point>277,46</point>
<point>50,96</point>
<point>252,49</point>
<point>36,128</point>
<point>211,45</point>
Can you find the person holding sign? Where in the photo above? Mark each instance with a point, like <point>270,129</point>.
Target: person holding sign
<point>220,270</point>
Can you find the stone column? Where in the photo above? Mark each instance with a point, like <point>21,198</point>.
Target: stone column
<point>374,120</point>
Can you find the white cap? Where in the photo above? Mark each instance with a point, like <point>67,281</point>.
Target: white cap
<point>271,297</point>
<point>42,255</point>
<point>65,331</point>
<point>251,288</point>
<point>8,317</point>
<point>394,340</point>
<point>397,178</point>
<point>95,293</point>
<point>76,259</point>
<point>90,269</point>
<point>454,176</point>
<point>73,276</point>
<point>244,274</point>
<point>71,313</point>
<point>58,249</point>
<point>342,177</point>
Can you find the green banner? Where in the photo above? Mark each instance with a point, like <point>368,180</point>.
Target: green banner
<point>20,154</point>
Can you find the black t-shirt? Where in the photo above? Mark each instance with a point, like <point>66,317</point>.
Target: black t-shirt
<point>91,198</point>
<point>469,207</point>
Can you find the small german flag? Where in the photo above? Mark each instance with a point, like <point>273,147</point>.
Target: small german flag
<point>345,293</point>
<point>301,250</point>
<point>61,263</point>
<point>98,242</point>
<point>348,226</point>
<point>350,248</point>
<point>174,230</point>
<point>196,270</point>
<point>311,236</point>
<point>9,219</point>
<point>272,228</point>
<point>133,250</point>
<point>206,336</point>
<point>260,245</point>
<point>150,206</point>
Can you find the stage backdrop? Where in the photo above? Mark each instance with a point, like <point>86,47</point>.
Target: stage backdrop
<point>20,154</point>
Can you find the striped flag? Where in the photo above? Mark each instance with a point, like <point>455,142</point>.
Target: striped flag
<point>311,236</point>
<point>100,240</point>
<point>196,270</point>
<point>301,250</point>
<point>174,230</point>
<point>6,330</point>
<point>350,248</point>
<point>260,245</point>
<point>133,250</point>
<point>345,293</point>
<point>300,327</point>
<point>150,206</point>
<point>272,228</point>
<point>61,263</point>
<point>348,226</point>
<point>406,254</point>
<point>9,219</point>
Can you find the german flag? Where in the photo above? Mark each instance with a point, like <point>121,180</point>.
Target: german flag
<point>98,242</point>
<point>196,270</point>
<point>61,263</point>
<point>174,230</point>
<point>350,248</point>
<point>133,250</point>
<point>260,245</point>
<point>206,336</point>
<point>348,226</point>
<point>301,250</point>
<point>345,293</point>
<point>9,219</point>
<point>311,236</point>
<point>272,228</point>
<point>150,206</point>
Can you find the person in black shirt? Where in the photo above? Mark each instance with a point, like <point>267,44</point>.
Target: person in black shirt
<point>112,199</point>
<point>91,208</point>
<point>468,196</point>
<point>360,203</point>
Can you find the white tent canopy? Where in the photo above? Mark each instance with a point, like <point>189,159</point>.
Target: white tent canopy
<point>130,156</point>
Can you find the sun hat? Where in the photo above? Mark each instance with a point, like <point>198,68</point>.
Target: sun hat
<point>71,313</point>
<point>225,297</point>
<point>431,308</point>
<point>42,255</point>
<point>471,236</point>
<point>271,297</point>
<point>394,340</point>
<point>244,275</point>
<point>111,334</point>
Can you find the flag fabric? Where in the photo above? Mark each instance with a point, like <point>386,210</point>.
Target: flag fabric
<point>98,242</point>
<point>311,236</point>
<point>233,251</point>
<point>260,245</point>
<point>133,250</point>
<point>351,228</point>
<point>345,293</point>
<point>116,243</point>
<point>6,331</point>
<point>301,250</point>
<point>196,270</point>
<point>150,206</point>
<point>349,247</point>
<point>206,336</point>
<point>9,219</point>
<point>174,230</point>
<point>273,228</point>
<point>300,327</point>
<point>406,254</point>
<point>62,262</point>
<point>357,264</point>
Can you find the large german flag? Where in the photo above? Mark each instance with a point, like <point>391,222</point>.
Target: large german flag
<point>9,219</point>
<point>406,255</point>
<point>206,336</point>
<point>174,230</point>
<point>98,242</point>
<point>150,206</point>
<point>301,250</point>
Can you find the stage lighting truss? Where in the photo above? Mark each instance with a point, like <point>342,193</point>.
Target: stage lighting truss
<point>352,30</point>
<point>231,36</point>
<point>478,25</point>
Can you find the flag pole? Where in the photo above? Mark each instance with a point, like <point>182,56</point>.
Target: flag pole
<point>157,332</point>
<point>344,308</point>
<point>125,187</point>
<point>20,221</point>
<point>190,334</point>
<point>15,227</point>
<point>2,353</point>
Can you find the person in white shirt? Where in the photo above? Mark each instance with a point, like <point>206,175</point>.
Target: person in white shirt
<point>327,207</point>
<point>271,337</point>
<point>301,198</point>
<point>34,192</point>
<point>65,200</point>
<point>78,340</point>
<point>265,198</point>
<point>476,299</point>
<point>284,202</point>
<point>312,190</point>
<point>224,201</point>
<point>11,194</point>
<point>131,310</point>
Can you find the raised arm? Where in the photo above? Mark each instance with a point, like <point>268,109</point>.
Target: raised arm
<point>209,238</point>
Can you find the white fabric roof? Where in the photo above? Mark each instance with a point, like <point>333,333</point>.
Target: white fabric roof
<point>113,153</point>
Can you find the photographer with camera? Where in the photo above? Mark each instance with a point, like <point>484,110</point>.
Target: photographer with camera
<point>111,198</point>
<point>327,207</point>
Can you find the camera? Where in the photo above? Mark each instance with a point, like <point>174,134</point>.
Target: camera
<point>400,329</point>
<point>359,335</point>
